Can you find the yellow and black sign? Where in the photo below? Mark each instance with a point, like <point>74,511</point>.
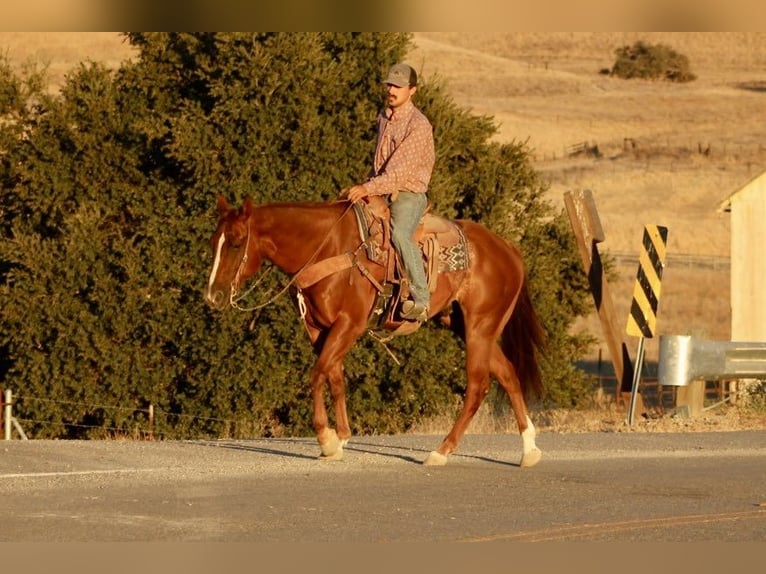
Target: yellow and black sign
<point>646,294</point>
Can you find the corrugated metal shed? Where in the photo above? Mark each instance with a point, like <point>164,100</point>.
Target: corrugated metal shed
<point>747,206</point>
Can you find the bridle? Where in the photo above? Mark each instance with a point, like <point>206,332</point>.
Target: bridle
<point>234,297</point>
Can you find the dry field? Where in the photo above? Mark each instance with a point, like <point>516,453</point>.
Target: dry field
<point>63,51</point>
<point>546,89</point>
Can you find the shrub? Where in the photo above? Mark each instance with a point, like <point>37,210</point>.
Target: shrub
<point>756,399</point>
<point>652,62</point>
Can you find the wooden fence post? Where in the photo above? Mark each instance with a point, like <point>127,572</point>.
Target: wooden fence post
<point>7,399</point>
<point>692,398</point>
<point>9,421</point>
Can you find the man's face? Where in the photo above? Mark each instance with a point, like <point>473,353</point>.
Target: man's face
<point>398,96</point>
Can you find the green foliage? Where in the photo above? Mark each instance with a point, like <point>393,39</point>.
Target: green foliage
<point>756,397</point>
<point>652,62</point>
<point>107,193</point>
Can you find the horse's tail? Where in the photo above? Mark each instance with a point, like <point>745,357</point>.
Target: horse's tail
<point>522,341</point>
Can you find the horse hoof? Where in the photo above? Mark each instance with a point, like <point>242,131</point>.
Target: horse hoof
<point>435,459</point>
<point>337,455</point>
<point>531,458</point>
<point>331,446</point>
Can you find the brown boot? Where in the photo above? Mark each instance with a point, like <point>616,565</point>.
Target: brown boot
<point>413,311</point>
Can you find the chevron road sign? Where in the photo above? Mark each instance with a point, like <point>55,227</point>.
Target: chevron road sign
<point>642,319</point>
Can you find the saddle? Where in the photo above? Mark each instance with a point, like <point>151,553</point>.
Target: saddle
<point>441,242</point>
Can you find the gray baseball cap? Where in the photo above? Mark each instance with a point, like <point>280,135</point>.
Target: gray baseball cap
<point>401,75</point>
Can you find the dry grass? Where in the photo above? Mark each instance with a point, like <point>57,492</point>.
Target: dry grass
<point>603,417</point>
<point>614,420</point>
<point>61,52</point>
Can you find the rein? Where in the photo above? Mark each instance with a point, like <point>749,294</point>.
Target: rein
<point>234,299</point>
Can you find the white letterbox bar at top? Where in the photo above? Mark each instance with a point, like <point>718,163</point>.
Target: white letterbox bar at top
<point>684,359</point>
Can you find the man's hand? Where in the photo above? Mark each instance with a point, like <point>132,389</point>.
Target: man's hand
<point>356,192</point>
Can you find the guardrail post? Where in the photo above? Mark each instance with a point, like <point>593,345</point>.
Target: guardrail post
<point>691,398</point>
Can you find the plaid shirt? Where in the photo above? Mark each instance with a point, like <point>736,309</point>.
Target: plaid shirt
<point>404,154</point>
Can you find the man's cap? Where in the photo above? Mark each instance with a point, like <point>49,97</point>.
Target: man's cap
<point>401,75</point>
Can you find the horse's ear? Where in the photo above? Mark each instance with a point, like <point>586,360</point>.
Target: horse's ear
<point>223,205</point>
<point>247,207</point>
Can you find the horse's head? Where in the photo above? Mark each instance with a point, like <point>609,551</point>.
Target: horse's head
<point>234,257</point>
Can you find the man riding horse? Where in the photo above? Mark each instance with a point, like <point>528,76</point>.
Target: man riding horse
<point>402,165</point>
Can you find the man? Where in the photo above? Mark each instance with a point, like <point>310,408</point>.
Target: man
<point>402,166</point>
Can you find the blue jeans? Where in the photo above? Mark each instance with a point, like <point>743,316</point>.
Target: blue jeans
<point>406,212</point>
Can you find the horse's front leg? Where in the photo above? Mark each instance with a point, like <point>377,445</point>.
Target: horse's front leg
<point>328,371</point>
<point>326,435</point>
<point>331,442</point>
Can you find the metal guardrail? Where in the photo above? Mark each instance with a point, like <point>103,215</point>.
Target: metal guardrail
<point>683,359</point>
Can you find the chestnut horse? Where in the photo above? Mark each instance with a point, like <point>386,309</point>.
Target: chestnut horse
<point>486,304</point>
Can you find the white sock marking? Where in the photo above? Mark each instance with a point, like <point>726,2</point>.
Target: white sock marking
<point>528,436</point>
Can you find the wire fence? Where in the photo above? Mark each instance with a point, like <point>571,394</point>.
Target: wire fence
<point>673,153</point>
<point>680,260</point>
<point>139,422</point>
<point>662,399</point>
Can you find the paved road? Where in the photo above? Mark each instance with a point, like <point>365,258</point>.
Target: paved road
<point>594,487</point>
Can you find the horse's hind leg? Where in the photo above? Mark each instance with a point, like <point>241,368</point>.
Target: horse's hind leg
<point>502,369</point>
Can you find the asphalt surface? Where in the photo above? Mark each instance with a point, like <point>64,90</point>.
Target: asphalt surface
<point>637,487</point>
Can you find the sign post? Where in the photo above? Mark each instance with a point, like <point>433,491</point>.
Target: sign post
<point>588,233</point>
<point>642,318</point>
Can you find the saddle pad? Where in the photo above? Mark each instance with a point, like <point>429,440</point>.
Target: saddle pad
<point>453,249</point>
